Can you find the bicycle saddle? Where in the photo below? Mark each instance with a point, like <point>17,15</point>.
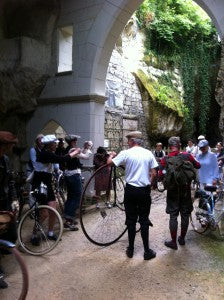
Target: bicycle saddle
<point>210,188</point>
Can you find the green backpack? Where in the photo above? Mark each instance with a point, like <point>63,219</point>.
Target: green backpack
<point>179,172</point>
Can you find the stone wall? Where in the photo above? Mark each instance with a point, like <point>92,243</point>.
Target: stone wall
<point>123,109</point>
<point>26,31</point>
<point>128,107</point>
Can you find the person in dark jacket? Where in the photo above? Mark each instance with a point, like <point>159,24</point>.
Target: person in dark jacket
<point>73,180</point>
<point>60,150</point>
<point>178,199</point>
<point>43,173</point>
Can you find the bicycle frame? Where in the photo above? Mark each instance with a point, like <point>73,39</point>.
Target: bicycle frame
<point>210,204</point>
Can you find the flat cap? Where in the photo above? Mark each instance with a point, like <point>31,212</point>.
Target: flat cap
<point>203,143</point>
<point>7,137</point>
<point>174,141</point>
<point>201,137</point>
<point>50,138</point>
<point>71,137</point>
<point>134,134</point>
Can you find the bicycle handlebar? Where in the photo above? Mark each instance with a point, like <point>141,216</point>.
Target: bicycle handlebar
<point>7,244</point>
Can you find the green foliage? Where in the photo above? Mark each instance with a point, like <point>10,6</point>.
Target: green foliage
<point>163,92</point>
<point>180,34</point>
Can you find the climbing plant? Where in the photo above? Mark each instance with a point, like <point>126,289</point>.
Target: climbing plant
<point>180,35</point>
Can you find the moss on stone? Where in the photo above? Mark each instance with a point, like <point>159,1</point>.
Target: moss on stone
<point>166,95</point>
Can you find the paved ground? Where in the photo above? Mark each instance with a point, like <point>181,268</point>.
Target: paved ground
<point>77,269</point>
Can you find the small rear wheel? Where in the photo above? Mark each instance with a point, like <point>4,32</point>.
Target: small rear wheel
<point>199,217</point>
<point>33,230</point>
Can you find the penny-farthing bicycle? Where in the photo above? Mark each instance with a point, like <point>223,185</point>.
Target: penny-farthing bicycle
<point>102,216</point>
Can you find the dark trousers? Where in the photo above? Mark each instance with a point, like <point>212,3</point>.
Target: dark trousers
<point>179,202</point>
<point>74,192</point>
<point>137,202</point>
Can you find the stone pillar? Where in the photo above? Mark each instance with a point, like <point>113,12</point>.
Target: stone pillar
<point>81,115</point>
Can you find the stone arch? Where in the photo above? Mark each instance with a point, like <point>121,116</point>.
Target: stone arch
<point>109,24</point>
<point>53,127</point>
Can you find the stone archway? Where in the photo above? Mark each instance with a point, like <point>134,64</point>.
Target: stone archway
<point>97,26</point>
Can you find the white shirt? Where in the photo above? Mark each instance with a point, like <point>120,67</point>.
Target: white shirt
<point>138,162</point>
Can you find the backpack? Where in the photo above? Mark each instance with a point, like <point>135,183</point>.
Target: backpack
<point>179,172</point>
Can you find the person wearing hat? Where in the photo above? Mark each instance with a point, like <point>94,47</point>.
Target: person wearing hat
<point>32,163</point>
<point>43,173</point>
<point>178,200</point>
<point>73,180</point>
<point>209,171</point>
<point>196,150</point>
<point>7,188</point>
<point>138,163</point>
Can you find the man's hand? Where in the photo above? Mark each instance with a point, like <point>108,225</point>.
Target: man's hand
<point>15,205</point>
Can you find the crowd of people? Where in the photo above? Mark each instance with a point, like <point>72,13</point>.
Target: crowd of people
<point>49,155</point>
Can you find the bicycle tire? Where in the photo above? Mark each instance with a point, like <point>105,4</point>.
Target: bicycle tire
<point>12,292</point>
<point>27,224</point>
<point>196,222</point>
<point>105,225</point>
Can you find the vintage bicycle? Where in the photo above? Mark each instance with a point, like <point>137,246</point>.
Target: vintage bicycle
<point>102,218</point>
<point>35,223</point>
<point>208,210</point>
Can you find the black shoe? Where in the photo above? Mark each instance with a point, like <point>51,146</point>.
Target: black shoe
<point>129,252</point>
<point>181,240</point>
<point>53,237</point>
<point>35,241</point>
<point>149,254</point>
<point>71,226</point>
<point>171,244</point>
<point>3,284</point>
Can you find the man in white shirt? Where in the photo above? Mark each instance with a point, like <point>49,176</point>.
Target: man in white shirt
<point>138,163</point>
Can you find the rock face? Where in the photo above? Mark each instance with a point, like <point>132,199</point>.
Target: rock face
<point>26,31</point>
<point>129,105</point>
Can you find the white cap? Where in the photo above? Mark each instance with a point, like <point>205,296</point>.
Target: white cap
<point>201,137</point>
<point>50,138</point>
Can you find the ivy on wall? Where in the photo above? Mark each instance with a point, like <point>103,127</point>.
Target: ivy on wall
<point>180,35</point>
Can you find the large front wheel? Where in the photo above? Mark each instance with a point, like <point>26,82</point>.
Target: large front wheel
<point>102,215</point>
<point>34,227</point>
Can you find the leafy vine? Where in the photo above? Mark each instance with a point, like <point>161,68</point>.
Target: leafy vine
<point>180,35</point>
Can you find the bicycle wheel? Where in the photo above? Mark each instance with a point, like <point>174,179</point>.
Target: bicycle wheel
<point>102,218</point>
<point>198,218</point>
<point>15,273</point>
<point>33,230</point>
